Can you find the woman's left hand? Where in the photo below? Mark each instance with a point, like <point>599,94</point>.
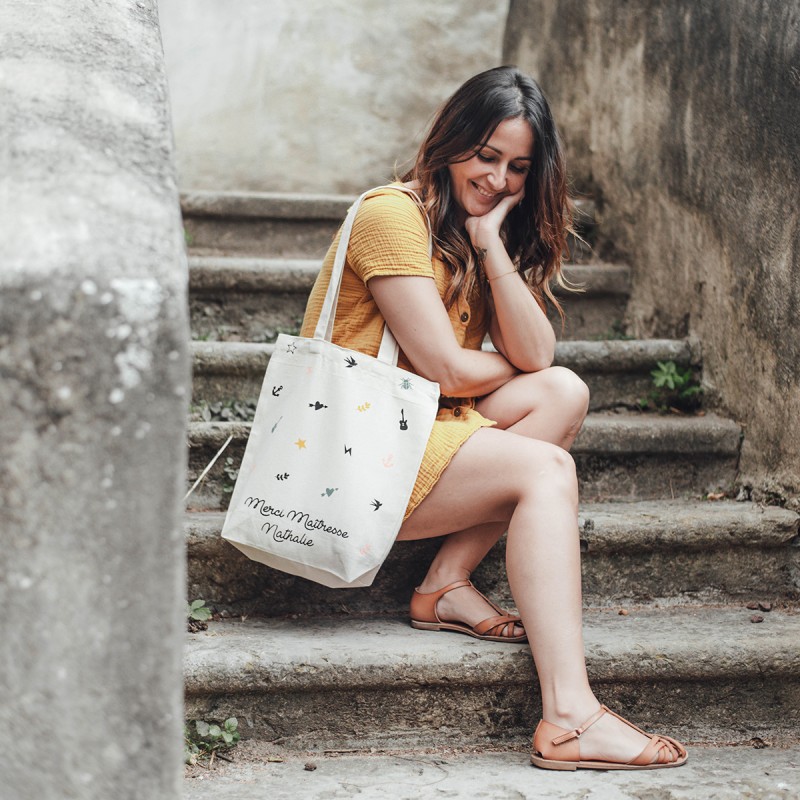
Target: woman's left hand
<point>485,229</point>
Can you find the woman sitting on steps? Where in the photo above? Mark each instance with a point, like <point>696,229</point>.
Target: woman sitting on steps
<point>490,180</point>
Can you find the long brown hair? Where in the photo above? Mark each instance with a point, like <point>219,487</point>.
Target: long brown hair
<point>535,231</point>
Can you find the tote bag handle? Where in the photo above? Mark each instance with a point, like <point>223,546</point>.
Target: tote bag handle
<point>389,350</point>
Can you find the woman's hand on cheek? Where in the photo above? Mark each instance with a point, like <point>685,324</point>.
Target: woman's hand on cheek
<point>485,229</point>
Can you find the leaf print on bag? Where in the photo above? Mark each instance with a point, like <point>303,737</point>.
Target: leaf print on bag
<point>364,407</point>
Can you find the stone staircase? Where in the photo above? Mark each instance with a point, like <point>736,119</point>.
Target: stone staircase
<point>668,574</point>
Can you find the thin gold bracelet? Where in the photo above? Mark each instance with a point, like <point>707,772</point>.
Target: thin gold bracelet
<point>513,272</point>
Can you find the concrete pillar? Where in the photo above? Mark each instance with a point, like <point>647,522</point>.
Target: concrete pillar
<point>94,383</point>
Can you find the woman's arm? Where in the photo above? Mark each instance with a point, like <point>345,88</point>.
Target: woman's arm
<point>415,315</point>
<point>519,328</point>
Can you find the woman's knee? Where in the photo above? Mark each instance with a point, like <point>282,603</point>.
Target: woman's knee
<point>550,468</point>
<point>566,388</point>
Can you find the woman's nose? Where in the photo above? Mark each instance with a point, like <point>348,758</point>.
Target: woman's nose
<point>497,177</point>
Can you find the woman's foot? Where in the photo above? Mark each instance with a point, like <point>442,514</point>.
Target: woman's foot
<point>465,605</point>
<point>604,737</point>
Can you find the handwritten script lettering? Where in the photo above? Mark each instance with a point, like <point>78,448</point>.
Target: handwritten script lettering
<point>301,518</point>
<point>271,529</point>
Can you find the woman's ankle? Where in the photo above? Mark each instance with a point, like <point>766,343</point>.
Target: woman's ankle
<point>570,709</point>
<point>439,578</point>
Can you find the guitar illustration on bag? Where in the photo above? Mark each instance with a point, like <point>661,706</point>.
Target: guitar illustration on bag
<point>403,421</point>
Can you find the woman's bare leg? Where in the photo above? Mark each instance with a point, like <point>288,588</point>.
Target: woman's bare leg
<point>497,477</point>
<point>550,406</point>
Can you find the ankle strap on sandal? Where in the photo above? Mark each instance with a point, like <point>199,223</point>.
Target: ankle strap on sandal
<point>574,734</point>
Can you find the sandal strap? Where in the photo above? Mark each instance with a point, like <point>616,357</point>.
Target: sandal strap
<point>576,732</point>
<point>505,620</point>
<point>424,608</point>
<point>423,604</point>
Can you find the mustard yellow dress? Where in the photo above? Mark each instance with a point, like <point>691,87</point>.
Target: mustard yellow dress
<point>390,237</point>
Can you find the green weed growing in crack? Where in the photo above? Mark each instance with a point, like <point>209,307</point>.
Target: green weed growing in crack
<point>197,615</point>
<point>675,389</point>
<point>206,739</point>
<point>231,474</point>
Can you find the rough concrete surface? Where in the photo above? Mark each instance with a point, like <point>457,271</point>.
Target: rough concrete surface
<point>702,674</point>
<point>682,119</point>
<point>324,95</point>
<point>735,773</point>
<point>94,383</point>
<point>667,552</point>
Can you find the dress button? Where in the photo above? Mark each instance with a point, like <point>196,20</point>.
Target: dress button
<point>456,412</point>
<point>464,317</point>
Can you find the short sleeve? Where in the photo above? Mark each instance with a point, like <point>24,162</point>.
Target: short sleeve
<point>389,237</point>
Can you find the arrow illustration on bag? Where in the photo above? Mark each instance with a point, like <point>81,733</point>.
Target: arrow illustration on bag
<point>282,477</point>
<point>317,405</point>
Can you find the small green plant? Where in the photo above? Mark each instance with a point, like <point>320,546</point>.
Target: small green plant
<point>198,610</point>
<point>675,389</point>
<point>197,615</point>
<point>206,739</point>
<point>188,238</point>
<point>231,474</point>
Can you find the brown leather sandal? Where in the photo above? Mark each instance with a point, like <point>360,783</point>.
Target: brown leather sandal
<point>494,629</point>
<point>558,748</point>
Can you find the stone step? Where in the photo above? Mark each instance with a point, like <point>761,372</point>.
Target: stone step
<point>619,457</point>
<point>700,674</point>
<point>287,225</point>
<point>261,771</point>
<point>617,372</point>
<point>252,299</point>
<point>669,552</point>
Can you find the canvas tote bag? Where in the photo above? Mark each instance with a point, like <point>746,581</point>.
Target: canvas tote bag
<point>333,453</point>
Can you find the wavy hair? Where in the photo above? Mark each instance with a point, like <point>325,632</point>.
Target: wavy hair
<point>534,232</point>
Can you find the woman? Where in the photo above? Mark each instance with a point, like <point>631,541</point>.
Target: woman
<point>491,182</point>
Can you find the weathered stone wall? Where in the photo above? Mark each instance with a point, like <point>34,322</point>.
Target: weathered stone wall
<point>94,383</point>
<point>683,118</point>
<point>320,96</point>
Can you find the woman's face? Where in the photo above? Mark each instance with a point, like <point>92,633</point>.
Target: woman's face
<point>498,169</point>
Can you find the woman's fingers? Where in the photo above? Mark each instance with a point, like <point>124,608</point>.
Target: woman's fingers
<point>491,222</point>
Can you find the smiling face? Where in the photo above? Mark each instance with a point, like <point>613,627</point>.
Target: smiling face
<point>499,168</point>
